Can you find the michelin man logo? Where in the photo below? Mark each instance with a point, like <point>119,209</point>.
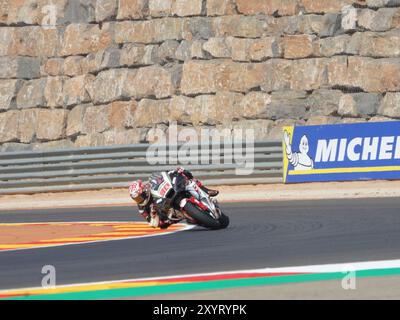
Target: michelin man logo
<point>300,160</point>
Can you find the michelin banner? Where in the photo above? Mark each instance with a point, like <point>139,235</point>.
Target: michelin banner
<point>360,151</point>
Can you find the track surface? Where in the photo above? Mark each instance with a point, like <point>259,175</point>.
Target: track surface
<point>270,234</point>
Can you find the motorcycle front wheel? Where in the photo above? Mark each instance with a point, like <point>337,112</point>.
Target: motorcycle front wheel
<point>204,219</point>
<point>223,221</point>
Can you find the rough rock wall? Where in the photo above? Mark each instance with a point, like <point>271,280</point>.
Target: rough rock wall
<point>87,72</point>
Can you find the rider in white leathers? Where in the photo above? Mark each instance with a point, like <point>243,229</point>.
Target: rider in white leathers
<point>140,193</point>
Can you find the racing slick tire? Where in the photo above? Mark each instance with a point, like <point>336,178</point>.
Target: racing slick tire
<point>201,217</point>
<point>223,221</point>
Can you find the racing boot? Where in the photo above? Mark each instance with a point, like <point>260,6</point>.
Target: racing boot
<point>210,192</point>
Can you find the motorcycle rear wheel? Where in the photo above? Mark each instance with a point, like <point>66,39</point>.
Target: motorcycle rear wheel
<point>201,217</point>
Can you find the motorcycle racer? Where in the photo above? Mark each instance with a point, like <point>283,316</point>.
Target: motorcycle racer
<point>150,210</point>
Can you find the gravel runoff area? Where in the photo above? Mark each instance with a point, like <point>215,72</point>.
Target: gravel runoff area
<point>267,192</point>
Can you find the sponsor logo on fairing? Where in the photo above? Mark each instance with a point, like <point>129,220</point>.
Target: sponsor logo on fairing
<point>359,151</point>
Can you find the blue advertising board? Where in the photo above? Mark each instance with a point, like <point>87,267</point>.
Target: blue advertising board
<point>340,152</point>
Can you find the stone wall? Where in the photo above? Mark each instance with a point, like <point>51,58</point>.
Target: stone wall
<point>88,73</point>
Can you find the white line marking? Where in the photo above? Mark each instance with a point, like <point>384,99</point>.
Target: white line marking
<point>323,268</point>
<point>187,227</point>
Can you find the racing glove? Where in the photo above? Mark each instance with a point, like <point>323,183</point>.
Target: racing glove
<point>154,220</point>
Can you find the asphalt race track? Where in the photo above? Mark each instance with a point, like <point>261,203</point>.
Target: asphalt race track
<point>268,234</point>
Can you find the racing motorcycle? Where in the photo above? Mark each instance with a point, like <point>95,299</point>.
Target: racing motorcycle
<point>178,198</point>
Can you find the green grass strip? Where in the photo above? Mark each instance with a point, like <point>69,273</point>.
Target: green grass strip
<point>204,286</point>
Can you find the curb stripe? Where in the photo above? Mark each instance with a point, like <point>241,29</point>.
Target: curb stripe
<point>121,231</point>
<point>204,286</point>
<point>379,267</point>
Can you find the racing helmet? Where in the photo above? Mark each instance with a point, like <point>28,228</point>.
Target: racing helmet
<point>139,192</point>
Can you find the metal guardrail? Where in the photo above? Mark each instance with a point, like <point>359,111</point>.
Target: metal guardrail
<point>116,166</point>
